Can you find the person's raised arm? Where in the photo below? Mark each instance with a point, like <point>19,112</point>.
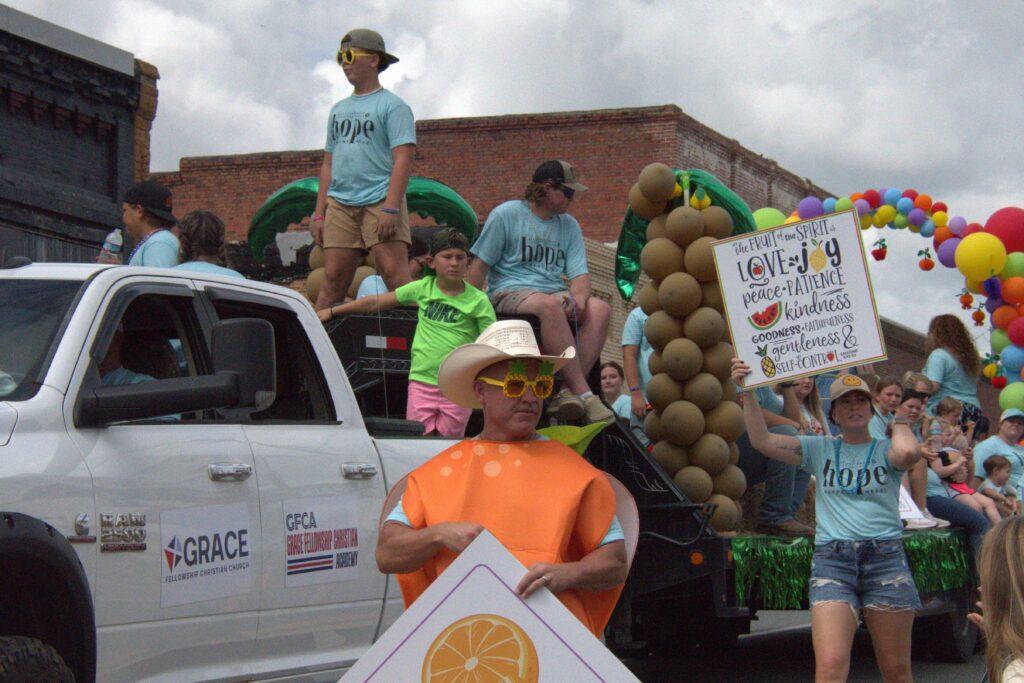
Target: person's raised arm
<point>368,304</point>
<point>904,449</point>
<point>402,549</point>
<point>477,274</point>
<point>316,222</point>
<point>790,403</point>
<point>944,471</point>
<point>776,446</point>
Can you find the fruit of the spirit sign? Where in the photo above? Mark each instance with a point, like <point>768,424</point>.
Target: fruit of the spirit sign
<point>798,298</point>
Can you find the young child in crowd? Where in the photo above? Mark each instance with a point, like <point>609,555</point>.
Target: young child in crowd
<point>452,312</point>
<point>955,463</point>
<point>997,485</point>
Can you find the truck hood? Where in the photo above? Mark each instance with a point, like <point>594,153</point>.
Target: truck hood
<point>8,418</point>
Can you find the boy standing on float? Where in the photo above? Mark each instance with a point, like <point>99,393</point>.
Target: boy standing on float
<point>360,205</point>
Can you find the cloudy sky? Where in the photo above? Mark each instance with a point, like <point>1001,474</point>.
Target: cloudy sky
<point>850,94</point>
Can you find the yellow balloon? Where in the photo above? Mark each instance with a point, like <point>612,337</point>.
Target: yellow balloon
<point>940,218</point>
<point>879,220</point>
<point>913,228</point>
<point>887,212</point>
<point>791,219</point>
<point>980,256</point>
<point>973,286</point>
<point>865,221</point>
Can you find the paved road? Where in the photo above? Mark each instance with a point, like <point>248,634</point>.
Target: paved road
<point>779,649</point>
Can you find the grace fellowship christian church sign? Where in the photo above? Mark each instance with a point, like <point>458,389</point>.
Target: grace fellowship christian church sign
<point>799,300</point>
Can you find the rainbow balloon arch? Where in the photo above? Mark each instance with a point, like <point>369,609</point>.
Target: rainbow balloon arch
<point>989,256</point>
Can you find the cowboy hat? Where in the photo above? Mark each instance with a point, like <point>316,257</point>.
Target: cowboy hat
<point>501,341</point>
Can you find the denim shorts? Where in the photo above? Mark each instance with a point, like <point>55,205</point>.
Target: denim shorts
<point>863,574</point>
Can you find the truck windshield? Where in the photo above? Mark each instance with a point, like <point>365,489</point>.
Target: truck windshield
<point>31,313</point>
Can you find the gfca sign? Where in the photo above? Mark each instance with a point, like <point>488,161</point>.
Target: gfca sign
<point>204,549</point>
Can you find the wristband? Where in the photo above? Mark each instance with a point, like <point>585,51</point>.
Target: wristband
<point>632,389</point>
<point>902,421</point>
<point>393,212</point>
<point>318,219</point>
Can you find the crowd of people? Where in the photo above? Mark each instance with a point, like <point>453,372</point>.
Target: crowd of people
<point>856,437</point>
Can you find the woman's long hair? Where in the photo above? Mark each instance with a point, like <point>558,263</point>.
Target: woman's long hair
<point>813,404</point>
<point>201,233</point>
<point>1001,567</point>
<point>948,332</point>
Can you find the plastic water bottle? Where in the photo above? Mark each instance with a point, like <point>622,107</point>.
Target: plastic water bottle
<point>111,251</point>
<point>935,436</point>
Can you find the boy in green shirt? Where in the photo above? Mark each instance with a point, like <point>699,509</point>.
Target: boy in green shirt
<point>452,312</point>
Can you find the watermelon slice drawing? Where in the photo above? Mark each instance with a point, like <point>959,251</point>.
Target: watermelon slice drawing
<point>766,319</point>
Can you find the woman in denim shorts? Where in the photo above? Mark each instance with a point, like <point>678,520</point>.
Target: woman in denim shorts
<point>859,563</point>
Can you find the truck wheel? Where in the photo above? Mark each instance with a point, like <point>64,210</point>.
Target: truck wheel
<point>26,660</point>
<point>950,637</point>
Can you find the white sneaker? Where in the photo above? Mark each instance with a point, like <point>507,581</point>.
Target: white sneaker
<point>920,523</point>
<point>940,523</point>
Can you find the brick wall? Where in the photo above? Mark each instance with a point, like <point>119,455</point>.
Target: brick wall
<point>144,115</point>
<point>490,159</point>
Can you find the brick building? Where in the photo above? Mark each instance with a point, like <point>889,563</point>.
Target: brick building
<point>76,117</point>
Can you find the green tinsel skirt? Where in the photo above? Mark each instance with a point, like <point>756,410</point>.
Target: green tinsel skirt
<point>939,560</point>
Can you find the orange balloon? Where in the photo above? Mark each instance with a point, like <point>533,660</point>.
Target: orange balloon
<point>923,202</point>
<point>1004,315</point>
<point>1013,290</point>
<point>941,235</point>
<point>855,196</point>
<point>1020,308</point>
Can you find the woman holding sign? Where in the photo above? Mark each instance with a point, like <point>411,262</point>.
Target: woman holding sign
<point>859,563</point>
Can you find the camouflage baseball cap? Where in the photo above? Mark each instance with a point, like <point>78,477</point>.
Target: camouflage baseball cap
<point>367,39</point>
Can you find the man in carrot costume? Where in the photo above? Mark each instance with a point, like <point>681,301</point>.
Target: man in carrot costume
<point>553,510</point>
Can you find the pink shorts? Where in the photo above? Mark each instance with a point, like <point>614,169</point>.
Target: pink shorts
<point>428,405</point>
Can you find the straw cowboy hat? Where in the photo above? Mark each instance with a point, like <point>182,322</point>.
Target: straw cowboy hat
<point>503,340</point>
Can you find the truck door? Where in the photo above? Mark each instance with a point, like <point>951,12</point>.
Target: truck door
<point>321,490</point>
<point>177,501</point>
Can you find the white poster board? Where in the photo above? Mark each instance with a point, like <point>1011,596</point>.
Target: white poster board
<point>798,298</point>
<point>908,508</point>
<point>471,617</point>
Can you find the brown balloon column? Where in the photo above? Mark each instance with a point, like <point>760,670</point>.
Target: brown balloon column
<point>696,420</point>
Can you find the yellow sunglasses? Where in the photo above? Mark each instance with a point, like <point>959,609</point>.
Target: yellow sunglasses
<point>350,55</point>
<point>514,386</point>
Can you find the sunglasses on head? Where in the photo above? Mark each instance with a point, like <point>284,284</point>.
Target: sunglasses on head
<point>350,55</point>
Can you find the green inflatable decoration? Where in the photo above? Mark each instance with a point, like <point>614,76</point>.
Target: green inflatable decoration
<point>296,200</point>
<point>633,234</point>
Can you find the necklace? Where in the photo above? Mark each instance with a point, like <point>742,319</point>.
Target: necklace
<point>862,475</point>
<point>139,245</point>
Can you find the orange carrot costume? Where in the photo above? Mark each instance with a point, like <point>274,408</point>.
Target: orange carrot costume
<point>539,498</point>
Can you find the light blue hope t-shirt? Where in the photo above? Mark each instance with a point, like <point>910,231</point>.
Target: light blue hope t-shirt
<point>993,445</point>
<point>524,251</point>
<point>633,335</point>
<point>371,286</point>
<point>879,423</point>
<point>941,367</point>
<point>361,132</point>
<point>159,250</point>
<point>857,489</point>
<point>211,268</point>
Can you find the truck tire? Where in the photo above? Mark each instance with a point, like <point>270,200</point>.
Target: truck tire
<point>27,660</point>
<point>948,637</point>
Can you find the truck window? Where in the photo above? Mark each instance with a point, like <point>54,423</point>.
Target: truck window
<point>157,337</point>
<point>302,394</point>
<point>31,314</point>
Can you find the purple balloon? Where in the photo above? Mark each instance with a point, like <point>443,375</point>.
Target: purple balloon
<point>993,287</point>
<point>862,206</point>
<point>916,216</point>
<point>947,252</point>
<point>957,224</point>
<point>992,304</point>
<point>809,207</point>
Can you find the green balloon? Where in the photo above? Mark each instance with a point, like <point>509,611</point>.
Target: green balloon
<point>899,222</point>
<point>1000,340</point>
<point>844,204</point>
<point>1014,265</point>
<point>1012,396</point>
<point>768,217</point>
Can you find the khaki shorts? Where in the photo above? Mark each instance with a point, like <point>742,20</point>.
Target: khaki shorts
<point>355,227</point>
<point>509,300</point>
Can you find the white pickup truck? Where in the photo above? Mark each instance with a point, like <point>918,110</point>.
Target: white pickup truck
<point>187,488</point>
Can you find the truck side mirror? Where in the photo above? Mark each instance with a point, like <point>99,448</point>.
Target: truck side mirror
<point>244,347</point>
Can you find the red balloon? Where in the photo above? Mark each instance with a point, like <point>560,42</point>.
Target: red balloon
<point>873,198</point>
<point>1008,225</point>
<point>939,206</point>
<point>1016,331</point>
<point>910,193</point>
<point>970,229</point>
